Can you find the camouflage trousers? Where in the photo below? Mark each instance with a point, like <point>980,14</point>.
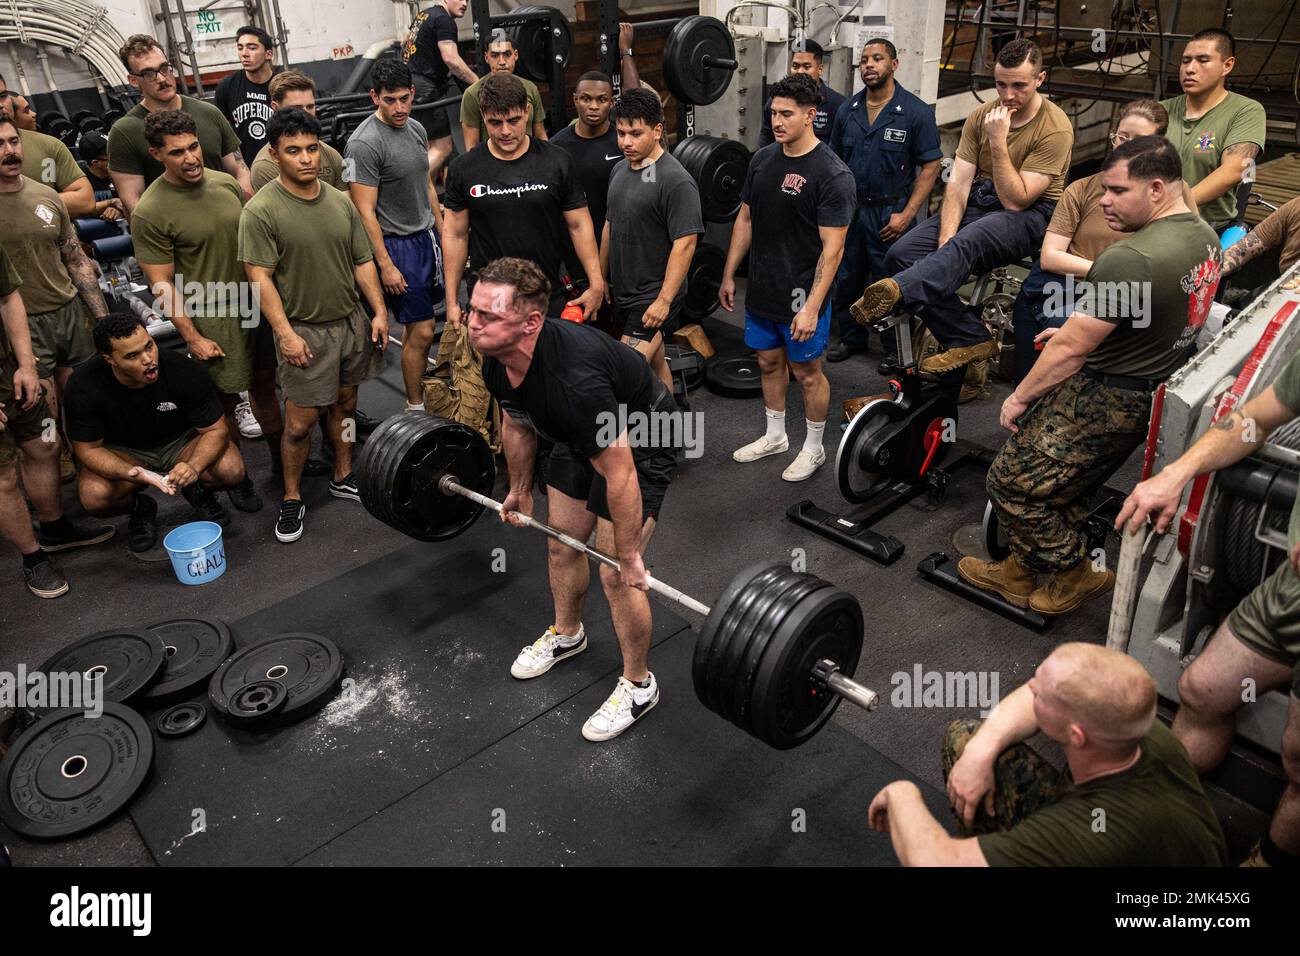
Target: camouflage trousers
<point>1069,444</point>
<point>1023,782</point>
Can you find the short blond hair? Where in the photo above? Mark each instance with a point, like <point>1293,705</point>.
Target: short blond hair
<point>1106,692</point>
<point>289,81</point>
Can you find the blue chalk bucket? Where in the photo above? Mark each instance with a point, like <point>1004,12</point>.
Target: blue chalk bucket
<point>197,552</point>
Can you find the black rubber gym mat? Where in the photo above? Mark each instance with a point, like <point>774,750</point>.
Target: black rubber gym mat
<point>683,787</point>
<point>428,634</point>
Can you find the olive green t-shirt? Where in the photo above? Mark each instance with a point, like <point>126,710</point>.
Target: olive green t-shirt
<point>471,116</point>
<point>34,223</point>
<point>1079,216</point>
<point>48,161</point>
<point>312,246</point>
<point>1153,814</point>
<point>1282,228</point>
<point>9,281</point>
<point>1201,142</point>
<point>1157,286</point>
<point>1043,145</point>
<point>331,167</point>
<point>195,228</point>
<point>1287,389</point>
<point>128,150</point>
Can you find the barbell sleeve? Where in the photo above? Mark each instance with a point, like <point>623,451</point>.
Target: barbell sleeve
<point>852,691</point>
<point>448,485</point>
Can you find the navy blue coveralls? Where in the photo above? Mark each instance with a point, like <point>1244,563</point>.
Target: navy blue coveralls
<point>884,157</point>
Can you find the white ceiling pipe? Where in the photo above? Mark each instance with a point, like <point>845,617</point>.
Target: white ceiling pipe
<point>83,29</point>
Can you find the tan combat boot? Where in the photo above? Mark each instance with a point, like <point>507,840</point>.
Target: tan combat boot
<point>1009,578</point>
<point>1256,857</point>
<point>1066,590</point>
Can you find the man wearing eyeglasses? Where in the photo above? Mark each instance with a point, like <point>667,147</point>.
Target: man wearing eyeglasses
<point>129,162</point>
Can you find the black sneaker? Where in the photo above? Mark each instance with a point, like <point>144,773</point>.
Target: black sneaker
<point>142,525</point>
<point>206,504</point>
<point>843,351</point>
<point>346,487</point>
<point>244,496</point>
<point>45,580</point>
<point>288,527</point>
<point>365,424</point>
<point>75,537</point>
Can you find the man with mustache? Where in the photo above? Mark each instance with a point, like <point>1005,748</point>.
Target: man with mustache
<point>48,161</point>
<point>387,170</point>
<point>1218,134</point>
<point>1009,171</point>
<point>186,233</point>
<point>889,139</point>
<point>244,97</point>
<point>140,416</point>
<point>129,161</point>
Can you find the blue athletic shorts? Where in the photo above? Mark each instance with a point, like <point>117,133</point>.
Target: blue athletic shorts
<point>763,334</point>
<point>419,260</point>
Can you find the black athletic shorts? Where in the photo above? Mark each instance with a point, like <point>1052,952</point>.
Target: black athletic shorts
<point>571,474</point>
<point>629,317</point>
<point>435,122</point>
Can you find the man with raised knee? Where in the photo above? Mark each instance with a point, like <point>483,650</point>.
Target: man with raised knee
<point>576,386</point>
<point>796,205</point>
<point>1008,173</point>
<point>1128,797</point>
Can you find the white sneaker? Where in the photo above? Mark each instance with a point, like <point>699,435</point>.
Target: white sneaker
<point>248,426</point>
<point>625,707</point>
<point>803,466</point>
<point>547,651</point>
<point>760,448</point>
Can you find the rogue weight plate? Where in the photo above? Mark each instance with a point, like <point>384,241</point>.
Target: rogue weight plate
<point>537,45</point>
<point>688,74</point>
<point>195,647</point>
<point>826,624</point>
<point>127,659</point>
<point>70,773</point>
<point>308,665</point>
<point>257,703</point>
<point>718,167</point>
<point>181,720</point>
<point>734,377</point>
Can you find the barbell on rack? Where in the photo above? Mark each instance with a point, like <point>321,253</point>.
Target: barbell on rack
<point>776,648</point>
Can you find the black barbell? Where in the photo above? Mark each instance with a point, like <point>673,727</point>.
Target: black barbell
<point>775,648</point>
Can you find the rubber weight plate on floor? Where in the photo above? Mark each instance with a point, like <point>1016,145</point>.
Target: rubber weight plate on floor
<point>195,648</point>
<point>181,720</point>
<point>309,666</point>
<point>257,704</point>
<point>70,772</point>
<point>734,377</point>
<point>128,660</point>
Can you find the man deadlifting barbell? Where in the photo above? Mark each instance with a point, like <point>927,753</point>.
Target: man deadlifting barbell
<point>570,383</point>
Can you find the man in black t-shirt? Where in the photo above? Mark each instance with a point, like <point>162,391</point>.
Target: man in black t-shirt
<point>244,98</point>
<point>141,416</point>
<point>431,51</point>
<point>612,463</point>
<point>796,206</point>
<point>516,196</point>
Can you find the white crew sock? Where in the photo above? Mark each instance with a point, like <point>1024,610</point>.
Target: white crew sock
<point>812,442</point>
<point>775,427</point>
<point>415,406</point>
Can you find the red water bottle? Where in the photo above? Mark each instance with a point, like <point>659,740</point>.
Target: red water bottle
<point>572,313</point>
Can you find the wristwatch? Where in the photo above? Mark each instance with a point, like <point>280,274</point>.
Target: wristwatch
<point>627,52</point>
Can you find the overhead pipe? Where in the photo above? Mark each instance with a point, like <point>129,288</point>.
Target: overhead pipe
<point>363,65</point>
<point>18,69</point>
<point>44,59</point>
<point>74,25</point>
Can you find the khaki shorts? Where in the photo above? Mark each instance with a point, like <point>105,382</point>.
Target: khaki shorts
<point>1268,620</point>
<point>161,459</point>
<point>61,337</point>
<point>21,425</point>
<point>343,355</point>
<point>247,350</point>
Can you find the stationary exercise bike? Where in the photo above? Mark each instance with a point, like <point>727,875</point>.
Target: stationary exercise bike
<point>892,450</point>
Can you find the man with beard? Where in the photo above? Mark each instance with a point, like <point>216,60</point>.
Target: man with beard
<point>889,139</point>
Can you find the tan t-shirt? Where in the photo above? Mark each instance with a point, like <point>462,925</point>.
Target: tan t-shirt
<point>331,167</point>
<point>46,160</point>
<point>34,223</point>
<point>1282,228</point>
<point>1043,145</point>
<point>312,246</point>
<point>1079,216</point>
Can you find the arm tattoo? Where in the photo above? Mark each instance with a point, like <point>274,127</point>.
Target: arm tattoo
<point>1244,150</point>
<point>1242,252</point>
<point>84,275</point>
<point>821,267</point>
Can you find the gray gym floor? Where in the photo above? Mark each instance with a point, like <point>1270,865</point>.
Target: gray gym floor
<point>719,516</point>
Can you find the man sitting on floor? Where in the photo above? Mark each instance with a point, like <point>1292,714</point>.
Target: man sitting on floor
<point>1009,172</point>
<point>1129,795</point>
<point>139,415</point>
